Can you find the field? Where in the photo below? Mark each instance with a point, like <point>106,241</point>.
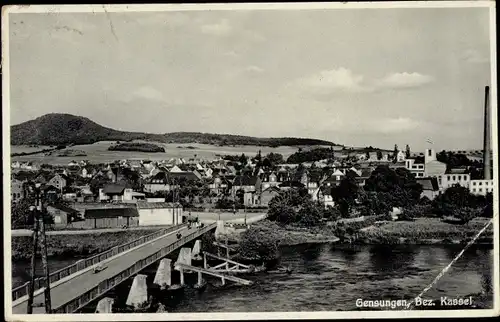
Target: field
<point>98,152</point>
<point>79,244</point>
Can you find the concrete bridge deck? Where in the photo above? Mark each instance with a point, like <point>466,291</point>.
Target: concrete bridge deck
<point>77,290</point>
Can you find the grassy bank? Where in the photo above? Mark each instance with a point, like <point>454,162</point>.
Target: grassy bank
<point>424,231</point>
<point>371,231</point>
<point>76,245</point>
<point>289,235</point>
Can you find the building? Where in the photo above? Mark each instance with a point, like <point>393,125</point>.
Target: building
<point>16,190</point>
<point>159,213</point>
<point>325,197</point>
<point>335,179</point>
<point>401,156</point>
<point>417,169</point>
<point>453,177</point>
<point>59,181</point>
<point>268,194</point>
<point>481,187</point>
<point>159,182</point>
<point>111,217</point>
<point>245,183</point>
<point>62,215</point>
<point>119,192</point>
<point>430,168</point>
<point>430,187</point>
<point>217,185</point>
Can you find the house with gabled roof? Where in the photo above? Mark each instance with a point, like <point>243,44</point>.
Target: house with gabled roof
<point>267,195</point>
<point>159,182</point>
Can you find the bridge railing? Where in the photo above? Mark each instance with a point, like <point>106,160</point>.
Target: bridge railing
<point>80,265</point>
<point>110,283</point>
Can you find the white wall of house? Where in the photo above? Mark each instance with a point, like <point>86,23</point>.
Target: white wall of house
<point>155,187</point>
<point>448,180</point>
<point>481,187</point>
<point>160,216</point>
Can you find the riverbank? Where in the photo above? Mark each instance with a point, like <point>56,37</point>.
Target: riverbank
<point>422,231</point>
<point>80,245</point>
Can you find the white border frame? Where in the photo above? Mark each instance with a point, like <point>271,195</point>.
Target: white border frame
<point>6,11</point>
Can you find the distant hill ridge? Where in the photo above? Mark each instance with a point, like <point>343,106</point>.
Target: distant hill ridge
<point>58,129</point>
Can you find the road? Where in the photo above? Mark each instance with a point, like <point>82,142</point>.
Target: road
<point>87,280</point>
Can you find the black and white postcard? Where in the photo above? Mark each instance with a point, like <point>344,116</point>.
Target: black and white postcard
<point>250,161</point>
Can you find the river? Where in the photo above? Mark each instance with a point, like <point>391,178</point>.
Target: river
<point>328,277</point>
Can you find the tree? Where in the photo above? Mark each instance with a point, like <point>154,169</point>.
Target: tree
<point>367,154</point>
<point>243,159</point>
<point>395,154</point>
<point>274,158</point>
<point>310,214</point>
<point>399,185</point>
<point>345,194</point>
<point>259,243</point>
<point>452,200</point>
<point>408,152</point>
<point>379,155</point>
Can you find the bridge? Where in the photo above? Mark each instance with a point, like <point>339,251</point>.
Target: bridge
<point>75,286</point>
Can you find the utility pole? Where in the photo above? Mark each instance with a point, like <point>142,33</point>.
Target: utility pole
<point>39,226</point>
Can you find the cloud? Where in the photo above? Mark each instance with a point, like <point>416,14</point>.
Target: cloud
<point>403,80</point>
<point>221,29</point>
<point>254,69</point>
<point>334,80</point>
<point>473,56</point>
<point>147,93</point>
<point>343,80</point>
<point>395,125</point>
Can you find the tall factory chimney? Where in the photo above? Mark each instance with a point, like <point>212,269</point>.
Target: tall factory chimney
<point>487,138</point>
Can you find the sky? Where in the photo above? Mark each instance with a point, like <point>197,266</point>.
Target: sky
<point>357,77</point>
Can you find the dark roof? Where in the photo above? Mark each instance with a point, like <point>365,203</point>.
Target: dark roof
<point>111,213</point>
<point>154,205</point>
<point>163,176</point>
<point>114,188</point>
<point>186,175</point>
<point>461,170</point>
<point>245,180</point>
<point>429,183</point>
<point>293,184</point>
<point>271,189</point>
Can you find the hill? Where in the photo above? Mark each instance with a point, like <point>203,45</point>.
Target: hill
<point>59,129</point>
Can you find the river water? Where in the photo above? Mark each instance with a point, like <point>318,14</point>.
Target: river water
<point>329,277</point>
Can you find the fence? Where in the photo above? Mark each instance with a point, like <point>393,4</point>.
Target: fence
<point>247,210</point>
<point>108,284</point>
<point>23,290</point>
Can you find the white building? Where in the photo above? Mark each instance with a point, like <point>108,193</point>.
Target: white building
<point>159,213</point>
<point>417,169</point>
<point>451,179</point>
<point>481,187</point>
<point>430,168</point>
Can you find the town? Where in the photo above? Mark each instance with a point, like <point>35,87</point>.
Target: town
<point>131,193</point>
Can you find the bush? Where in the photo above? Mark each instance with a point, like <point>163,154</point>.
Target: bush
<point>259,243</point>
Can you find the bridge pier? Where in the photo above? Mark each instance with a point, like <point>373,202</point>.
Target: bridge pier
<point>164,273</point>
<point>105,305</point>
<point>195,254</point>
<point>182,276</point>
<point>138,292</point>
